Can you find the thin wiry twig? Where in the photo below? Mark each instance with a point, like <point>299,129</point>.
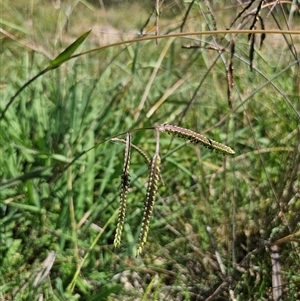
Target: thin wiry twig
<point>186,16</point>
<point>241,12</point>
<point>143,30</point>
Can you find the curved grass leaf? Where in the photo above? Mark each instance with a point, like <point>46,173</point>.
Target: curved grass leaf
<point>60,59</point>
<point>66,54</point>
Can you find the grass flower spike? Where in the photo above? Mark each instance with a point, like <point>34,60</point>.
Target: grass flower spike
<point>195,138</point>
<point>124,190</point>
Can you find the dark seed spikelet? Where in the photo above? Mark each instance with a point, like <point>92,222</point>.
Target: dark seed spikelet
<point>263,35</point>
<point>149,202</point>
<point>195,138</point>
<point>251,51</point>
<point>230,69</point>
<point>125,179</point>
<point>251,36</point>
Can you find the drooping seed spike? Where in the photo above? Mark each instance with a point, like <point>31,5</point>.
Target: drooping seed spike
<point>124,190</point>
<point>195,138</point>
<point>149,202</point>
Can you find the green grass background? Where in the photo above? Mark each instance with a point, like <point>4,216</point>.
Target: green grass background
<point>209,204</point>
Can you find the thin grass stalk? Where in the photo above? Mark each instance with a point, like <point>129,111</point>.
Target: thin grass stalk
<point>139,150</point>
<point>157,13</point>
<point>72,284</point>
<point>211,12</point>
<point>143,30</point>
<point>72,212</point>
<point>186,15</point>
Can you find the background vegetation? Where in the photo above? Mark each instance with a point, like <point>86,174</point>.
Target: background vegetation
<point>219,222</point>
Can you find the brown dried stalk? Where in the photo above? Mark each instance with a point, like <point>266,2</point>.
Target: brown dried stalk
<point>195,138</point>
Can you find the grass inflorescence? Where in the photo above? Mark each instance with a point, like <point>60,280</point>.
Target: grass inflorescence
<point>195,138</point>
<point>149,201</point>
<point>154,174</point>
<point>216,227</point>
<point>125,180</point>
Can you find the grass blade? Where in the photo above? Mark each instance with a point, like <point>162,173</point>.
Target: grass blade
<point>66,54</point>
